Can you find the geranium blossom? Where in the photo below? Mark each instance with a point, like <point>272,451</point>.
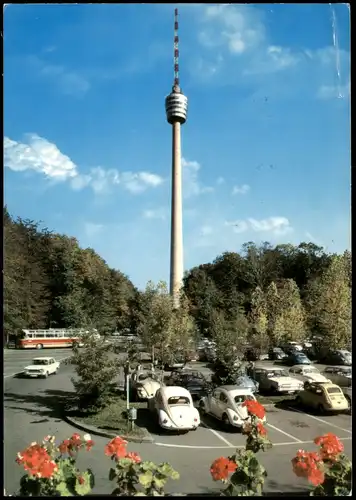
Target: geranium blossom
<point>37,462</point>
<point>261,429</point>
<point>309,465</point>
<point>255,408</point>
<point>330,446</point>
<point>132,455</point>
<point>116,448</point>
<point>221,468</point>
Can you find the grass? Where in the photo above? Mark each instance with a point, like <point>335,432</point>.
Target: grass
<point>112,418</point>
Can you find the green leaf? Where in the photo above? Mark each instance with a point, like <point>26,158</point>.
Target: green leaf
<point>166,469</point>
<point>112,474</point>
<point>63,490</point>
<point>145,479</point>
<point>175,475</point>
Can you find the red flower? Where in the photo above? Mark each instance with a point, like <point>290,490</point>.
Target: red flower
<point>37,462</point>
<point>89,444</point>
<point>261,429</point>
<point>116,448</point>
<point>81,480</point>
<point>330,445</point>
<point>308,465</point>
<point>134,457</point>
<point>221,467</point>
<point>64,446</point>
<point>255,408</point>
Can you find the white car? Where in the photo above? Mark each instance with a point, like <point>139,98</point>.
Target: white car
<point>145,384</point>
<point>226,404</point>
<point>307,373</point>
<point>175,410</point>
<point>42,367</point>
<point>276,380</point>
<point>348,395</point>
<point>295,345</point>
<point>339,375</point>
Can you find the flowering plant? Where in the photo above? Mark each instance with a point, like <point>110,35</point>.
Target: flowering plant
<point>51,469</point>
<point>329,470</point>
<point>131,472</point>
<point>248,475</point>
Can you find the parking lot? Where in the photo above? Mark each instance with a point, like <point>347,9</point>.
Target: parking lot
<point>287,426</point>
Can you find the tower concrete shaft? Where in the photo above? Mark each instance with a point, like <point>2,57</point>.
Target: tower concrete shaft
<point>176,274</point>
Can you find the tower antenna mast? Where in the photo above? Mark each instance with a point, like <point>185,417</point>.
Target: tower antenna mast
<point>176,51</point>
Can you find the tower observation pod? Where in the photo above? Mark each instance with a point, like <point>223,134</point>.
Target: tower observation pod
<point>176,111</point>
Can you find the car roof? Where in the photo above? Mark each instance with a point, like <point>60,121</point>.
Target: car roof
<point>174,390</point>
<point>43,358</point>
<point>304,367</point>
<point>235,389</point>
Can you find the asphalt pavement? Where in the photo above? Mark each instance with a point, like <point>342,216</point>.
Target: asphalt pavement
<point>32,409</point>
<point>15,360</point>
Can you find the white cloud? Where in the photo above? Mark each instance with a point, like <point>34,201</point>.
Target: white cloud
<point>44,157</point>
<point>272,59</point>
<point>334,91</point>
<point>273,225</point>
<point>245,188</point>
<point>220,180</point>
<point>91,229</point>
<point>158,213</point>
<point>69,82</point>
<point>191,183</point>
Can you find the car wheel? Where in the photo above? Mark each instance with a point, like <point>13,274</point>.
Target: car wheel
<point>39,346</point>
<point>225,421</point>
<point>45,375</point>
<point>348,402</point>
<point>321,409</point>
<point>202,408</point>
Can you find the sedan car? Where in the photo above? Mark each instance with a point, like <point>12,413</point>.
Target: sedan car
<point>276,380</point>
<point>42,367</point>
<point>276,353</point>
<point>144,384</point>
<point>175,409</point>
<point>340,375</point>
<point>326,397</point>
<point>296,358</point>
<point>340,357</point>
<point>193,381</point>
<point>225,403</point>
<point>307,373</point>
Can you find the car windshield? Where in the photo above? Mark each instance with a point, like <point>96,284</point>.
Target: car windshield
<point>40,362</point>
<point>333,390</point>
<point>145,376</point>
<point>241,398</point>
<point>311,370</point>
<point>277,373</point>
<point>178,400</point>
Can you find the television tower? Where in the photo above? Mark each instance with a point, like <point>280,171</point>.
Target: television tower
<point>176,111</point>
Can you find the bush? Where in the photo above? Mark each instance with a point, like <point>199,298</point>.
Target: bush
<point>95,371</point>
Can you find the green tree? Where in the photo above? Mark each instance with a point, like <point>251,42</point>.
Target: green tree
<point>258,317</point>
<point>330,304</point>
<point>96,370</point>
<point>291,314</point>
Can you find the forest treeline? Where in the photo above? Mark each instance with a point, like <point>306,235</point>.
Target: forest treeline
<point>266,293</point>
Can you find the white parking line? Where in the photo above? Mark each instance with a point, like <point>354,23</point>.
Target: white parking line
<point>285,433</point>
<point>218,435</point>
<point>321,420</point>
<point>192,447</point>
<point>18,373</point>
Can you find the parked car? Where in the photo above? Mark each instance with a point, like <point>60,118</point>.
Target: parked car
<point>252,354</point>
<point>276,353</point>
<point>296,358</point>
<point>338,357</point>
<point>175,409</point>
<point>339,375</point>
<point>144,384</point>
<point>276,380</point>
<point>193,381</point>
<point>225,403</point>
<point>307,373</point>
<point>42,367</point>
<point>325,397</point>
<point>177,363</point>
<point>292,346</point>
<point>246,382</point>
<point>348,395</point>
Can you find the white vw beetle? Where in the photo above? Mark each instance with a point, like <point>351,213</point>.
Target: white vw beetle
<point>144,384</point>
<point>226,404</point>
<point>42,367</point>
<point>307,373</point>
<point>175,409</point>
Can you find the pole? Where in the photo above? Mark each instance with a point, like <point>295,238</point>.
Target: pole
<point>127,392</point>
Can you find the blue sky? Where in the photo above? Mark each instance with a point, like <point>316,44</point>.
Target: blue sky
<point>266,147</point>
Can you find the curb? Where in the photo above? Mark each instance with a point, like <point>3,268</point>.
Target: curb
<point>90,429</point>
